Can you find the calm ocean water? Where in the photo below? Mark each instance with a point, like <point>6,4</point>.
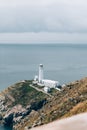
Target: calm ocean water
<point>64,63</point>
<point>5,128</point>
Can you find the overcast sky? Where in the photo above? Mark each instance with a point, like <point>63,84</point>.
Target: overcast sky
<point>43,21</point>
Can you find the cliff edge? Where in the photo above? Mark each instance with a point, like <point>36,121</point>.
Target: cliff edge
<point>24,105</point>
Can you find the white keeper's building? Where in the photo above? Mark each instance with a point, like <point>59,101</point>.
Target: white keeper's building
<point>45,82</point>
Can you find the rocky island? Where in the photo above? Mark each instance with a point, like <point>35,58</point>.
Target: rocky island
<point>25,105</point>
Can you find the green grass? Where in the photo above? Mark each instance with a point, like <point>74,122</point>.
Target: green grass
<point>24,94</point>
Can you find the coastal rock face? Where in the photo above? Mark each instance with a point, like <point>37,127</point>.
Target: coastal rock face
<point>18,102</point>
<point>25,107</point>
<point>8,119</point>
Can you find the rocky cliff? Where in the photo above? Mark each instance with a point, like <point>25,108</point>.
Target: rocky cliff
<point>24,105</point>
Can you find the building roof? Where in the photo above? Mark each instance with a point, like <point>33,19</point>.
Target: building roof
<point>50,81</point>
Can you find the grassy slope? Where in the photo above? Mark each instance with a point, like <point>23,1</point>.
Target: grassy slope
<point>24,94</point>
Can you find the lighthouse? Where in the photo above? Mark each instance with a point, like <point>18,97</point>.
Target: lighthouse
<point>40,73</point>
<point>46,83</point>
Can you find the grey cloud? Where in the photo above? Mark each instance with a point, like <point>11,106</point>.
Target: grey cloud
<point>54,16</point>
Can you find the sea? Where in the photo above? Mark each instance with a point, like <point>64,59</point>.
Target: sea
<point>62,62</point>
<point>5,128</point>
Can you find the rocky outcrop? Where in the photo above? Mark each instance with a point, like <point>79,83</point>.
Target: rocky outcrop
<point>17,113</point>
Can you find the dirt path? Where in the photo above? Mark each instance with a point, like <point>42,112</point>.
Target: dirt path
<point>40,90</point>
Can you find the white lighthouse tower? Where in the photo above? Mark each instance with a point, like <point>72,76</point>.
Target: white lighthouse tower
<point>40,73</point>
